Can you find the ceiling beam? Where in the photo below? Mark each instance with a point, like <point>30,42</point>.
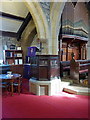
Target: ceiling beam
<point>9,34</point>
<point>10,16</point>
<point>23,26</point>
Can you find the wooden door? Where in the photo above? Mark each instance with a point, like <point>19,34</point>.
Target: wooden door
<point>75,50</point>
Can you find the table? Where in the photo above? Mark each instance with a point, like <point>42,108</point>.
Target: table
<point>11,78</point>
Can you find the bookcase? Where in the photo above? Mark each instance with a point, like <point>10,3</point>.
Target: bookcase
<point>13,57</point>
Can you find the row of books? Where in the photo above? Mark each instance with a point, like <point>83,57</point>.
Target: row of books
<point>16,62</point>
<point>18,55</point>
<point>11,47</point>
<point>10,54</point>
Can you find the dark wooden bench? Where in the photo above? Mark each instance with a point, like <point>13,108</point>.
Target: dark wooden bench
<point>79,69</point>
<point>83,61</point>
<point>64,67</point>
<point>89,75</point>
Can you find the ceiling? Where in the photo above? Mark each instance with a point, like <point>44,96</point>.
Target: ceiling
<point>12,15</point>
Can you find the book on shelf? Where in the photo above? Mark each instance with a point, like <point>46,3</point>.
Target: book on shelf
<point>16,62</point>
<point>19,55</point>
<point>9,54</point>
<point>18,48</point>
<point>20,61</point>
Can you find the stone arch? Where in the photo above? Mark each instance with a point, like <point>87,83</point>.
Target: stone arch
<point>40,21</point>
<point>55,16</point>
<point>26,37</point>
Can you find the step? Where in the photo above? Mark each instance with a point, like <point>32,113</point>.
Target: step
<point>63,85</point>
<point>77,90</point>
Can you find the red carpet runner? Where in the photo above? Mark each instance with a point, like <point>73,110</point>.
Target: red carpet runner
<point>63,105</point>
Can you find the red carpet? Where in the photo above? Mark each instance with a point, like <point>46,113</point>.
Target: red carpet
<point>63,105</point>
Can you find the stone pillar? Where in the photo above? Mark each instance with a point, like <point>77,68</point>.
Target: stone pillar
<point>88,44</point>
<point>1,48</point>
<point>55,46</point>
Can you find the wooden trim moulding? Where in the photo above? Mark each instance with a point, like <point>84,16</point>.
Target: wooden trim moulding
<point>75,37</point>
<point>3,14</point>
<point>23,26</point>
<point>7,33</point>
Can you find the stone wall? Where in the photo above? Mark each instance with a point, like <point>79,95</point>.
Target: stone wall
<point>28,36</point>
<point>5,43</point>
<point>46,9</point>
<point>68,19</point>
<point>75,19</point>
<point>81,19</point>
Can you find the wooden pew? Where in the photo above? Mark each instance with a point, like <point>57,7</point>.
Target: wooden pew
<point>78,68</point>
<point>89,75</point>
<point>83,61</point>
<point>64,67</point>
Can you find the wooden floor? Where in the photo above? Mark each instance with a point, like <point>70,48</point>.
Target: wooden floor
<point>78,89</point>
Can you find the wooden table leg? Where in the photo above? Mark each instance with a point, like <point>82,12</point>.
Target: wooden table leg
<point>19,86</point>
<point>11,88</point>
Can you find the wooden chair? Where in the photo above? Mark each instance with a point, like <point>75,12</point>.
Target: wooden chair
<point>18,85</point>
<point>4,86</point>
